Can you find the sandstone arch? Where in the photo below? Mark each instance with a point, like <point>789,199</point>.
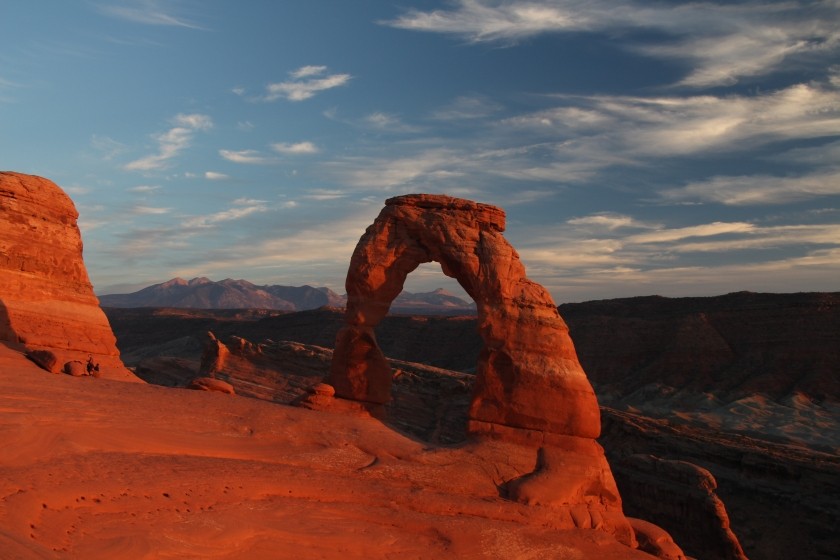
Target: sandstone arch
<point>528,375</point>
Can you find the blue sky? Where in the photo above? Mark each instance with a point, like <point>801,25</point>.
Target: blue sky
<point>672,148</point>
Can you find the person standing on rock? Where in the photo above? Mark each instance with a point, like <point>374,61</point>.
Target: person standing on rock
<point>90,365</point>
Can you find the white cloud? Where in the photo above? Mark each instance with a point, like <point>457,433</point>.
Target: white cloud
<point>296,148</point>
<point>757,189</point>
<point>144,188</point>
<point>609,129</point>
<point>574,258</point>
<point>723,41</point>
<point>299,88</point>
<point>195,121</point>
<point>240,210</point>
<point>172,142</point>
<point>388,123</point>
<point>609,221</point>
<point>389,172</point>
<point>489,21</point>
<point>214,176</point>
<point>325,194</point>
<point>306,71</point>
<point>149,210</point>
<point>251,157</point>
<point>149,12</point>
<point>703,230</point>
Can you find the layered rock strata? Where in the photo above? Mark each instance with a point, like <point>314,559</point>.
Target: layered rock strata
<point>46,298</point>
<point>530,388</point>
<point>529,376</point>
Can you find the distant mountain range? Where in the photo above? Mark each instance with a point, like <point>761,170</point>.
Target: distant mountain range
<point>203,293</point>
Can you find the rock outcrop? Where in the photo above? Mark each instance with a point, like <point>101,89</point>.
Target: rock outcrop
<point>679,494</point>
<point>529,376</point>
<point>46,299</point>
<point>529,389</point>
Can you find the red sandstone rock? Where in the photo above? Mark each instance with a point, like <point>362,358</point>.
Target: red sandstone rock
<point>46,299</point>
<point>211,384</point>
<point>528,373</point>
<point>655,540</point>
<point>46,360</point>
<point>530,388</point>
<point>75,368</point>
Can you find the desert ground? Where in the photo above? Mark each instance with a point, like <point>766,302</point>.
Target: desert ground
<point>95,468</point>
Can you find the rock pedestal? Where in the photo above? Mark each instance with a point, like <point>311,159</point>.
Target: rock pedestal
<point>47,302</point>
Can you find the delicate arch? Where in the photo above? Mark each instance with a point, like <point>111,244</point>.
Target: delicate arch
<point>528,374</point>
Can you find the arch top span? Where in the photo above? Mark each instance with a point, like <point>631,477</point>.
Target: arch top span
<point>528,375</point>
<point>491,216</point>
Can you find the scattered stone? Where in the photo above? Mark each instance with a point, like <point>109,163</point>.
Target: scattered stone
<point>75,368</point>
<point>45,359</point>
<point>211,384</point>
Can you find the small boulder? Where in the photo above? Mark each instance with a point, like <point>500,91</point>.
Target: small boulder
<point>45,360</point>
<point>211,384</point>
<point>75,368</point>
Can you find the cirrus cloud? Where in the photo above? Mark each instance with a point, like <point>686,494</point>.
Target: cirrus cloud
<point>172,142</point>
<point>304,84</point>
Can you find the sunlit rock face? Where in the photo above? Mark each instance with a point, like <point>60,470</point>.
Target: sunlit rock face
<point>528,375</point>
<point>46,299</point>
<point>530,388</point>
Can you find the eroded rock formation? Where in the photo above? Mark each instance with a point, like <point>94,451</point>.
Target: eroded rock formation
<point>529,388</point>
<point>529,376</point>
<point>46,299</point>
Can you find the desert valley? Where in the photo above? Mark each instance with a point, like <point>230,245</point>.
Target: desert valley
<point>321,426</point>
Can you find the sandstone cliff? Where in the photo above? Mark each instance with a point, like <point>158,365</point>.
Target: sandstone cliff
<point>46,299</point>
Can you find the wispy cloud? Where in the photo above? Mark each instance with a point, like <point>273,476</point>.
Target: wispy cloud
<point>582,137</point>
<point>297,148</point>
<point>215,176</point>
<point>467,107</point>
<point>148,12</point>
<point>306,71</point>
<point>248,157</point>
<point>305,82</point>
<point>610,221</point>
<point>757,189</point>
<point>688,125</point>
<point>241,208</point>
<point>325,194</point>
<point>139,209</point>
<point>602,251</point>
<point>172,142</point>
<point>723,42</point>
<point>319,249</point>
<point>107,147</point>
<point>387,122</point>
<point>144,189</point>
